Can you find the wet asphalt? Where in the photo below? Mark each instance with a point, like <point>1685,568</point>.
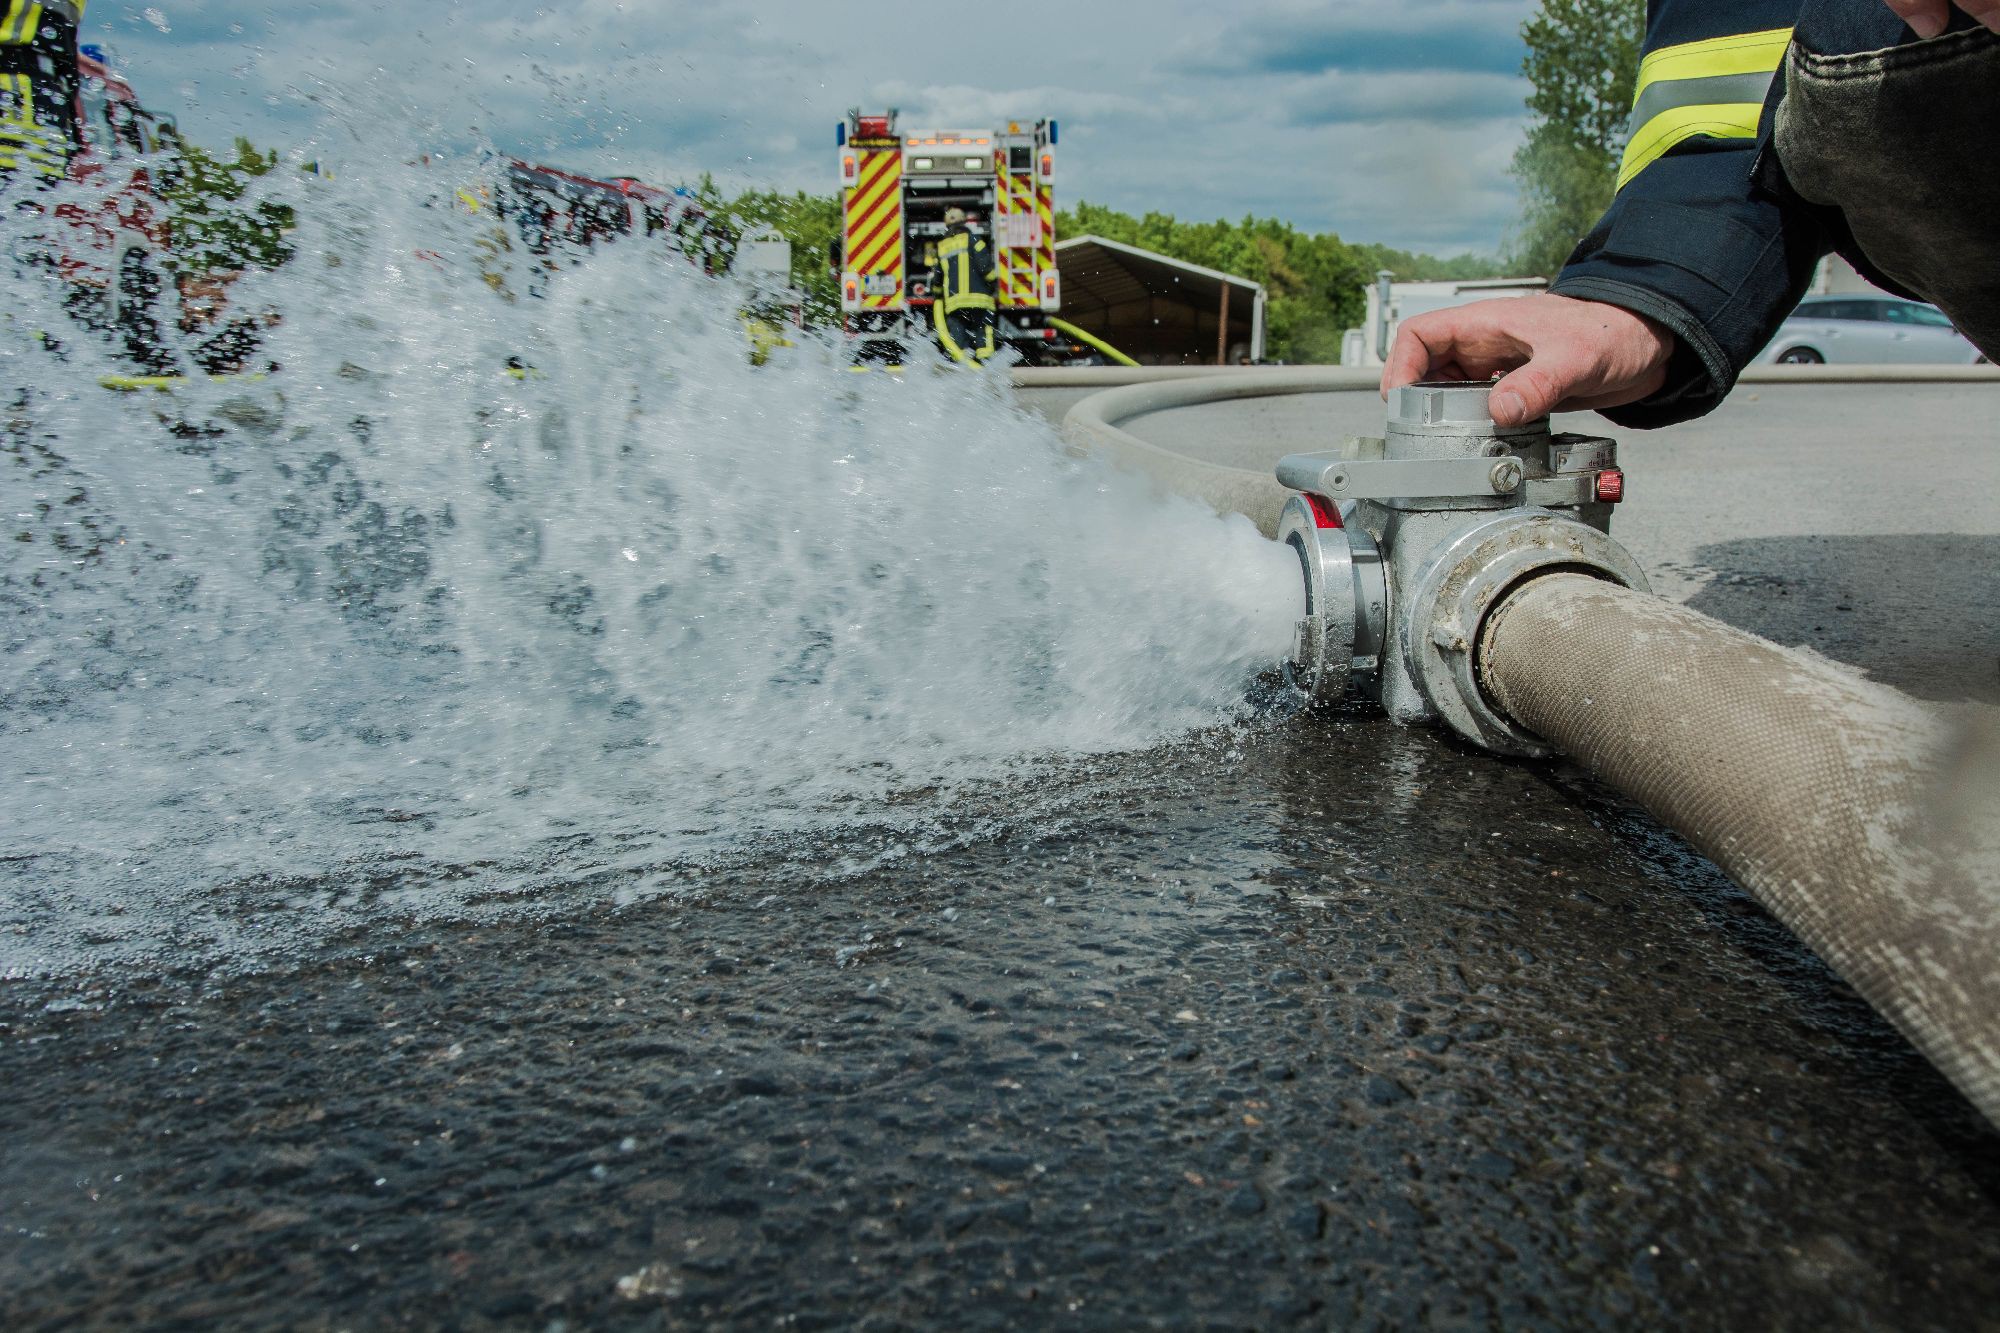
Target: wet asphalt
<point>1322,1023</point>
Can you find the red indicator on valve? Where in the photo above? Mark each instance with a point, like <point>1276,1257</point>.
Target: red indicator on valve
<point>1324,514</point>
<point>1610,486</point>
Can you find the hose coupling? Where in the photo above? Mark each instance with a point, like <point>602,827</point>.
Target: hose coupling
<point>1408,542</point>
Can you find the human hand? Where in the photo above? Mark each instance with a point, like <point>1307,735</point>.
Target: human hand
<point>1552,353</point>
<point>1928,17</point>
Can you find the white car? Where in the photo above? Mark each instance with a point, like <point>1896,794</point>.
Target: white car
<point>1869,330</point>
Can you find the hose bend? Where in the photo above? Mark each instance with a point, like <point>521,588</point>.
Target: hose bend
<point>1090,340</point>
<point>1854,814</point>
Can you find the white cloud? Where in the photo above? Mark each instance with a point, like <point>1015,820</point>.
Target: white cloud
<point>1308,112</point>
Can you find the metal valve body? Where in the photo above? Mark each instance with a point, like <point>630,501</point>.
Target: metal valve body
<point>1406,542</point>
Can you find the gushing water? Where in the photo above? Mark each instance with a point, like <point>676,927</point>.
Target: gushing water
<point>392,633</point>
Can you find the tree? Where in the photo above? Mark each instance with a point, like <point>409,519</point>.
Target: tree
<point>216,232</point>
<point>1583,60</point>
<point>809,222</point>
<point>1313,281</point>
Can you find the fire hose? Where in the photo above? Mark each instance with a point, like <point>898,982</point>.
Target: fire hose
<point>1090,340</point>
<point>1463,574</point>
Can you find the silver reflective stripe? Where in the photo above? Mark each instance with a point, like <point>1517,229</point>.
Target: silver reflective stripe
<point>1715,90</point>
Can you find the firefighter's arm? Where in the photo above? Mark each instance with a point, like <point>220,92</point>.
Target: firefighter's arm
<point>1693,246</point>
<point>1700,262</point>
<point>989,263</point>
<point>1676,288</point>
<point>1697,238</point>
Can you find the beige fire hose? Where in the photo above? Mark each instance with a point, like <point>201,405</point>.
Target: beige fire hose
<point>1865,821</point>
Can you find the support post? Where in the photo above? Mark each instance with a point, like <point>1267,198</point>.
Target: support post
<point>1382,280</point>
<point>1222,330</point>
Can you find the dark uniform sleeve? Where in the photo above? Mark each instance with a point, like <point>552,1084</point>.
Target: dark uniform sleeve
<point>1693,239</point>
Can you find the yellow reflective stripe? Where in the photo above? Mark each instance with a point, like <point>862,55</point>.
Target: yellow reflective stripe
<point>1669,129</point>
<point>1740,53</point>
<point>1745,53</point>
<point>22,137</point>
<point>951,348</point>
<point>20,23</point>
<point>17,106</point>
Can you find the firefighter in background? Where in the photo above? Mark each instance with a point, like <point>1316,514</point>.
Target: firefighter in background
<point>964,308</point>
<point>38,86</point>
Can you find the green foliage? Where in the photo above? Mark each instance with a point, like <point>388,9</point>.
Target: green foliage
<point>217,232</point>
<point>809,222</point>
<point>1583,60</point>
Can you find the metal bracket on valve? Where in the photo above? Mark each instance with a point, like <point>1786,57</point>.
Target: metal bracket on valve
<point>1342,478</point>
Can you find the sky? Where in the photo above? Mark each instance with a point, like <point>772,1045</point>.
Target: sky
<point>1384,121</point>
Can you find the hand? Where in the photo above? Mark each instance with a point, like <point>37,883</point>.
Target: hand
<point>1553,354</point>
<point>1928,17</point>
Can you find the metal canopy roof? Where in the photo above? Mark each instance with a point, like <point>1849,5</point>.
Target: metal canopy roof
<point>1158,309</point>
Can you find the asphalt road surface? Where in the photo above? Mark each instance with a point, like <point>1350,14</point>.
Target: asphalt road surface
<point>1317,1023</point>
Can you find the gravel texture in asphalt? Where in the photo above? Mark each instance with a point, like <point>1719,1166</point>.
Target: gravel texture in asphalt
<point>1323,1022</point>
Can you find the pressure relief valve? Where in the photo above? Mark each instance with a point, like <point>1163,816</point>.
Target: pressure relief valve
<point>1409,541</point>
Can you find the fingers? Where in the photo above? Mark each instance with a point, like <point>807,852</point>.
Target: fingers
<point>1926,18</point>
<point>1475,342</point>
<point>1468,342</point>
<point>1550,353</point>
<point>1410,359</point>
<point>1536,389</point>
<point>1986,11</point>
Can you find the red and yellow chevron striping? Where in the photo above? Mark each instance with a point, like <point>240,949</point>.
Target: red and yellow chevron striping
<point>873,217</point>
<point>1017,243</point>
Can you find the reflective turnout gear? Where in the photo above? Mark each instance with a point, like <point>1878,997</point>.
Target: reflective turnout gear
<point>1862,138</point>
<point>968,334</point>
<point>968,269</point>
<point>1714,88</point>
<point>1718,225</point>
<point>964,309</point>
<point>38,84</point>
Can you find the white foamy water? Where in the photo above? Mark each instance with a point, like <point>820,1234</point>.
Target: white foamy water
<point>390,633</point>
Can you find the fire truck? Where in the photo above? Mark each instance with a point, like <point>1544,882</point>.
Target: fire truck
<point>67,119</point>
<point>555,213</point>
<point>895,185</point>
<point>559,217</point>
